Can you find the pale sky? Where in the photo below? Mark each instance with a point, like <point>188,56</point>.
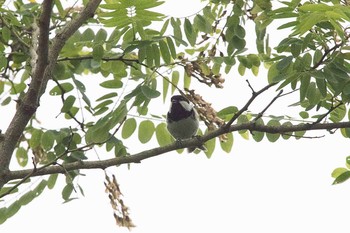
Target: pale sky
<point>258,187</point>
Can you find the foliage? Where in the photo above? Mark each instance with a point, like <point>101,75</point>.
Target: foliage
<point>130,49</point>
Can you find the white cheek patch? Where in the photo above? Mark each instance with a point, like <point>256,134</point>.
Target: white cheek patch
<point>169,109</point>
<point>186,105</point>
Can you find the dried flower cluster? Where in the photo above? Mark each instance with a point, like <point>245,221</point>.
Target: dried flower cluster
<point>203,73</point>
<point>206,112</point>
<point>121,211</point>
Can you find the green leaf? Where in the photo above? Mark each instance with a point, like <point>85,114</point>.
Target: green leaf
<point>164,27</point>
<point>52,181</point>
<point>118,115</point>
<point>240,31</point>
<point>61,89</point>
<point>342,177</point>
<point>67,191</point>
<point>78,155</point>
<point>308,22</point>
<point>287,135</point>
<point>273,137</point>
<point>128,128</point>
<point>241,69</point>
<point>227,113</point>
<point>238,43</point>
<point>315,7</point>
<point>346,89</point>
<point>284,63</point>
<point>202,24</point>
<point>338,171</point>
<point>35,139</point>
<point>228,143</point>
<point>338,114</point>
<point>68,103</point>
<point>18,88</point>
<point>149,92</point>
<point>98,133</point>
<point>146,130</point>
<point>73,111</point>
<point>13,209</point>
<point>119,149</point>
<point>176,24</point>
<point>171,46</point>
<point>299,134</point>
<point>107,96</point>
<point>210,145</point>
<point>189,32</point>
<point>258,136</point>
<point>115,83</point>
<point>272,73</point>
<point>22,156</point>
<point>322,86</point>
<point>164,50</point>
<point>60,8</point>
<point>3,215</point>
<point>3,65</point>
<point>88,35</point>
<point>4,190</point>
<point>101,36</point>
<point>304,114</point>
<point>156,55</point>
<point>162,135</point>
<point>47,140</point>
<point>97,52</point>
<point>304,85</point>
<point>26,198</point>
<point>295,49</point>
<point>6,34</point>
<point>165,88</point>
<point>103,104</point>
<point>175,80</point>
<point>6,101</point>
<point>187,80</point>
<point>149,56</point>
<point>142,54</point>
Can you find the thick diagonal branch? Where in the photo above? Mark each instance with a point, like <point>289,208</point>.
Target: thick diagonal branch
<point>47,58</point>
<point>29,103</point>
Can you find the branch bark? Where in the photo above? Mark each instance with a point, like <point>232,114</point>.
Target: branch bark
<point>29,104</point>
<point>47,58</point>
<point>137,158</point>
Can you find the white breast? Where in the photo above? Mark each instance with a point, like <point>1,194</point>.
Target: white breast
<point>184,129</point>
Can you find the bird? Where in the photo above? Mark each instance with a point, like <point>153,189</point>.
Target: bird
<point>182,120</point>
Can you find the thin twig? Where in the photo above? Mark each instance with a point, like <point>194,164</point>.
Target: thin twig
<point>269,105</point>
<point>70,114</point>
<point>245,107</point>
<point>327,113</point>
<point>327,51</point>
<point>304,137</point>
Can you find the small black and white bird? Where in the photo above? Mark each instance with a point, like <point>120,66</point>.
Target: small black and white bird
<point>182,119</point>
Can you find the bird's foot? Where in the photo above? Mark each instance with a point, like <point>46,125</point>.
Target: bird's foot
<point>201,146</point>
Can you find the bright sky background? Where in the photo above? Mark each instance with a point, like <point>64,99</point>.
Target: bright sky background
<point>258,187</point>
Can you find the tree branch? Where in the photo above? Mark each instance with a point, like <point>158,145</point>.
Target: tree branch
<point>137,158</point>
<point>29,104</point>
<point>47,58</point>
<point>246,106</point>
<point>269,105</point>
